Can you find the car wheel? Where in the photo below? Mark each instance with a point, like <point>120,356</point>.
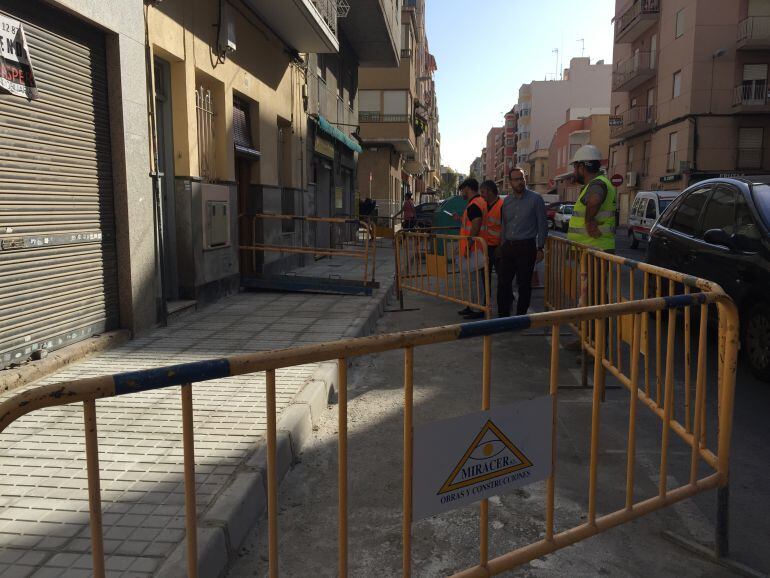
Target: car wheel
<point>634,240</point>
<point>756,340</point>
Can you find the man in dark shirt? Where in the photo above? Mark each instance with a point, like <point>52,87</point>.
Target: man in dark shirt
<point>524,233</point>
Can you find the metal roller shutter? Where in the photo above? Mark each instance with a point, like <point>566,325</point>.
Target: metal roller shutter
<point>58,272</point>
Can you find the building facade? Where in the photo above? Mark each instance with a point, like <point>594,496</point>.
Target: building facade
<point>509,154</point>
<point>398,118</point>
<point>690,98</point>
<point>569,137</point>
<point>476,168</point>
<point>494,150</point>
<point>179,122</point>
<point>542,105</point>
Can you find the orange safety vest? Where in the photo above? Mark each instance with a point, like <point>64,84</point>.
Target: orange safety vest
<point>493,233</point>
<point>465,229</point>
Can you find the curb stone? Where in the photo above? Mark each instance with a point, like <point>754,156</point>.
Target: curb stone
<point>228,521</point>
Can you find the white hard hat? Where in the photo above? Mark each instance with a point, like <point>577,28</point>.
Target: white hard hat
<point>587,153</point>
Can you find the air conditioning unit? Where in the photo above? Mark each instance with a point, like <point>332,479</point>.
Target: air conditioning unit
<point>632,179</point>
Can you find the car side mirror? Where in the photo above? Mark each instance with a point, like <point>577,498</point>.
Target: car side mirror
<point>718,237</point>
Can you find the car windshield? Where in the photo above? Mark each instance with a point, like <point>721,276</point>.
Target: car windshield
<point>762,201</point>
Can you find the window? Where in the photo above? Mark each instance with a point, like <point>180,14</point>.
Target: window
<point>687,215</point>
<point>679,24</point>
<point>369,100</point>
<point>750,140</point>
<point>719,211</point>
<point>651,212</point>
<point>748,237</point>
<point>651,97</point>
<point>646,158</point>
<point>630,160</point>
<point>653,50</point>
<point>677,83</point>
<point>672,157</point>
<point>394,102</point>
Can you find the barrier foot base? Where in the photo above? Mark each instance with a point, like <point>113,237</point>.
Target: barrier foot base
<point>402,310</point>
<point>709,553</point>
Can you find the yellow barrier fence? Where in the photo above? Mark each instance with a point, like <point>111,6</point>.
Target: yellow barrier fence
<point>580,276</point>
<point>430,264</point>
<point>707,460</point>
<point>266,234</point>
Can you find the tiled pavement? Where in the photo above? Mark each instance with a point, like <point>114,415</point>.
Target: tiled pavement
<point>44,527</point>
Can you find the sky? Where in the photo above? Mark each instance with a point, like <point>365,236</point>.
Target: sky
<point>486,49</point>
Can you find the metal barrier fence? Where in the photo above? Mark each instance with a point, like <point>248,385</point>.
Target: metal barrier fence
<point>580,276</point>
<point>87,391</point>
<point>316,237</point>
<point>430,264</point>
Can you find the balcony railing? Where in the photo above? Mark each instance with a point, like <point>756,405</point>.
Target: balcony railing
<point>751,93</point>
<point>750,158</point>
<point>636,120</point>
<point>754,32</point>
<point>630,25</point>
<point>328,11</point>
<point>633,71</point>
<point>379,117</point>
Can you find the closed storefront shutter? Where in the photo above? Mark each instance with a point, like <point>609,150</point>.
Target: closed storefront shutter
<point>58,274</point>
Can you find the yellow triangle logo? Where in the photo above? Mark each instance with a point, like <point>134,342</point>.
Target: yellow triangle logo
<point>490,455</point>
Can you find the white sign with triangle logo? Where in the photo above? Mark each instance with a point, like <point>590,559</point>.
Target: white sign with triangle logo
<point>466,459</point>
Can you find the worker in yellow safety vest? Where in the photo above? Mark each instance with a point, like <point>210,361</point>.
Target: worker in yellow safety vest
<point>593,217</point>
<point>472,225</point>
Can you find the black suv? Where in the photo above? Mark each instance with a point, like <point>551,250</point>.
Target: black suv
<point>719,230</point>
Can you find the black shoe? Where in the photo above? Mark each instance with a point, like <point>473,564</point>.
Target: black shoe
<point>465,311</point>
<point>474,315</point>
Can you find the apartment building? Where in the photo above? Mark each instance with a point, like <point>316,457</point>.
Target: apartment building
<point>398,118</point>
<point>690,94</point>
<point>509,154</point>
<point>577,131</point>
<point>476,168</point>
<point>542,105</point>
<point>494,150</point>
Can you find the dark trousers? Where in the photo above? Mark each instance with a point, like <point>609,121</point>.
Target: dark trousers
<point>515,259</point>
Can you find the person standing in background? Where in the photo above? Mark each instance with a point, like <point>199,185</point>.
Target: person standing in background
<point>524,231</point>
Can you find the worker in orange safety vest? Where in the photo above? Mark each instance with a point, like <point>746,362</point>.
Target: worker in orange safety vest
<point>472,225</point>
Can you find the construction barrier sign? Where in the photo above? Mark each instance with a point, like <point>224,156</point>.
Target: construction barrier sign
<point>462,460</point>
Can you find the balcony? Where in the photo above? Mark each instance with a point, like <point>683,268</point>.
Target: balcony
<point>633,71</point>
<point>305,25</point>
<point>630,25</point>
<point>388,129</point>
<point>635,121</point>
<point>754,33</point>
<point>751,96</point>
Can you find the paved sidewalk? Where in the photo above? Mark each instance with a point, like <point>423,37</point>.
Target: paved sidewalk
<point>43,489</point>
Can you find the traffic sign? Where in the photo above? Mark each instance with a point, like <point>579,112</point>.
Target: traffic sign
<point>617,180</point>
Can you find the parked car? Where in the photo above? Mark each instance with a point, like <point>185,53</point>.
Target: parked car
<point>550,211</point>
<point>647,207</point>
<point>562,216</point>
<point>720,230</point>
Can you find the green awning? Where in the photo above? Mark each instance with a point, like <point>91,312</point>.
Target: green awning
<point>336,133</point>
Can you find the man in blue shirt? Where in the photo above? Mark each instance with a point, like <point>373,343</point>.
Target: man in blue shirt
<point>525,230</point>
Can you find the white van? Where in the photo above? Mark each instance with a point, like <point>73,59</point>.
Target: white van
<point>647,207</point>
